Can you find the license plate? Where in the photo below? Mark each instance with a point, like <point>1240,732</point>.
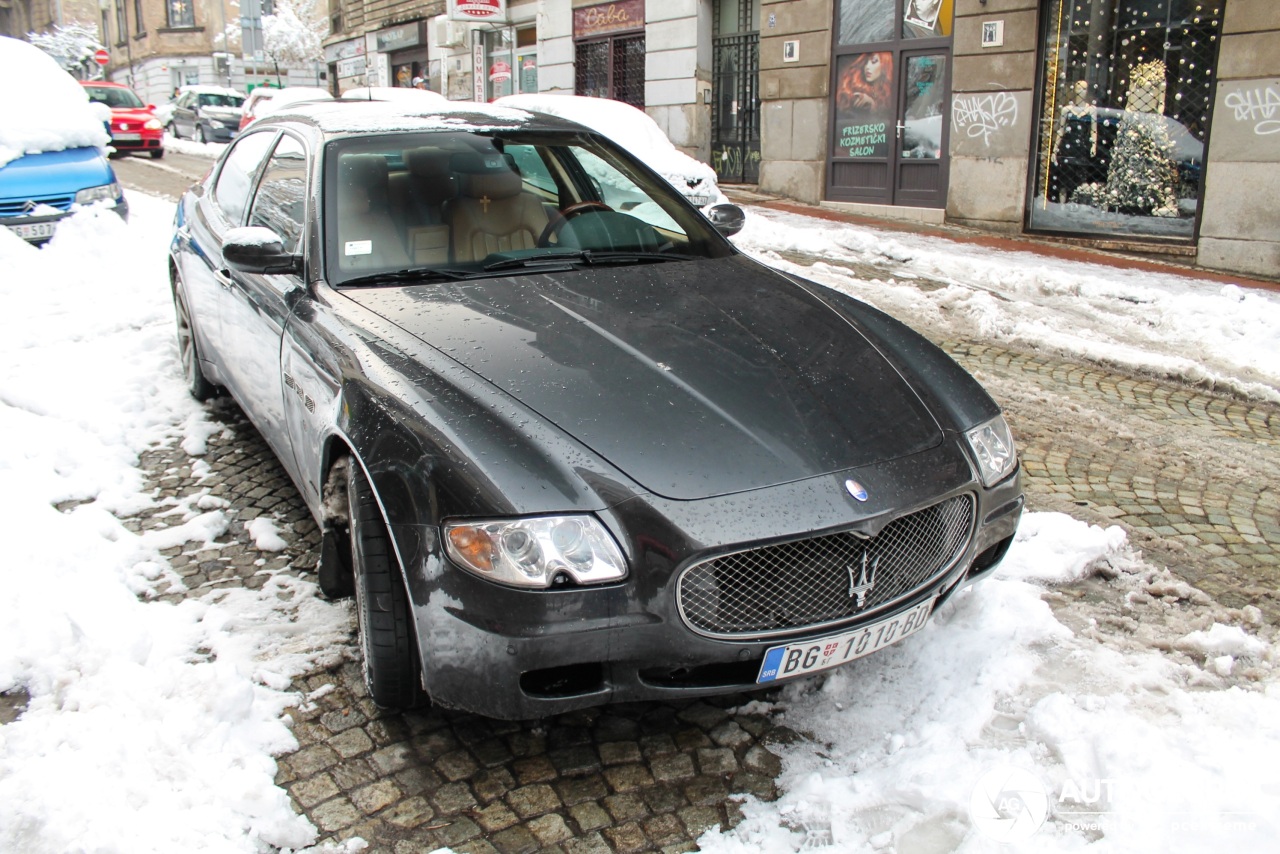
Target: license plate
<point>131,137</point>
<point>34,231</point>
<point>700,201</point>
<point>783,662</point>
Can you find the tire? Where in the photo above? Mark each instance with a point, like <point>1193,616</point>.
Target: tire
<point>157,153</point>
<point>388,642</point>
<point>188,350</point>
<point>200,137</point>
<point>172,130</point>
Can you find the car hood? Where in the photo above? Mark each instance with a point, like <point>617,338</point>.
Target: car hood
<point>131,115</point>
<point>696,378</point>
<point>53,173</point>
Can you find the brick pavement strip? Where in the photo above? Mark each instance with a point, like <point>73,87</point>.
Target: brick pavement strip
<point>1192,477</point>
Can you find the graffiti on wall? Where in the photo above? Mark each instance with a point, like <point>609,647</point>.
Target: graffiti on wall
<point>1258,105</point>
<point>984,114</point>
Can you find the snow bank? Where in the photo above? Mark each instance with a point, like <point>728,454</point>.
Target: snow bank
<point>150,726</point>
<point>44,108</point>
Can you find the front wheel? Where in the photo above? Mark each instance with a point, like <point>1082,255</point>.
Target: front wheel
<point>157,153</point>
<point>189,351</point>
<point>388,643</point>
<point>200,136</point>
<point>172,130</point>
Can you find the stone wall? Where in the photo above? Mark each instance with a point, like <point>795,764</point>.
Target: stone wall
<point>794,118</point>
<point>1240,227</point>
<point>992,114</point>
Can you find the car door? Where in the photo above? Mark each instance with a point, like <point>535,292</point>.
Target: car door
<point>221,206</point>
<point>182,114</point>
<point>257,307</point>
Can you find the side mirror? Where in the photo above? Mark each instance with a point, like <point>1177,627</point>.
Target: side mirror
<point>727,219</point>
<point>151,108</point>
<point>254,249</point>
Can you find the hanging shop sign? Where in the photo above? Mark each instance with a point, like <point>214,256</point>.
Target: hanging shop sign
<point>488,11</point>
<point>343,50</point>
<point>405,35</point>
<point>608,18</point>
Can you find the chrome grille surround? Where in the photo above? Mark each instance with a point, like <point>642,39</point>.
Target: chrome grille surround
<point>806,584</point>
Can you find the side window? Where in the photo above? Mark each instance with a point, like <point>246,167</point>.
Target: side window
<point>280,203</point>
<point>235,181</point>
<point>531,168</point>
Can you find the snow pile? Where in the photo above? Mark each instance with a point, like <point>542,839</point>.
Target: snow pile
<point>149,726</point>
<point>1202,332</point>
<point>1126,750</point>
<point>44,108</point>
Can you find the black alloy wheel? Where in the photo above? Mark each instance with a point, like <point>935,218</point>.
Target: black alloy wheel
<point>388,643</point>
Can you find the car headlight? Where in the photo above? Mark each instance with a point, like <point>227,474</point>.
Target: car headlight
<point>992,445</point>
<point>153,124</point>
<point>214,123</point>
<point>536,552</point>
<point>89,195</point>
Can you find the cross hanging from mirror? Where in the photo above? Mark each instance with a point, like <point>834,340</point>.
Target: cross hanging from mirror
<point>484,203</point>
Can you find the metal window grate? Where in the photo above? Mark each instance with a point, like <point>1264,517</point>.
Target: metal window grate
<point>613,68</point>
<point>784,588</point>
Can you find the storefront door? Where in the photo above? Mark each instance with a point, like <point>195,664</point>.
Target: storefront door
<point>891,85</point>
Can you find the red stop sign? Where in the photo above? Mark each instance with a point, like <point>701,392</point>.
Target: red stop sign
<point>101,56</point>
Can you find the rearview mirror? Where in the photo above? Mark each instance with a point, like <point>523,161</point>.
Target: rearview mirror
<point>727,219</point>
<point>254,249</point>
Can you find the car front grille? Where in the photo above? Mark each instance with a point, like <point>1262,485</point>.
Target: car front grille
<point>790,587</point>
<point>18,207</point>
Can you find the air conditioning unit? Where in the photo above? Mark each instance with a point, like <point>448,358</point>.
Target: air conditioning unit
<point>450,33</point>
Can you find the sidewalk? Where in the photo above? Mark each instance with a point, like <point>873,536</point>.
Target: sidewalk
<point>1048,247</point>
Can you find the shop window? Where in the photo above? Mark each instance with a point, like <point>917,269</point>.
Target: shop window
<point>1128,89</point>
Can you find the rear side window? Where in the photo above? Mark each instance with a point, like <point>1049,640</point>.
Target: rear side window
<point>235,181</point>
<point>280,204</point>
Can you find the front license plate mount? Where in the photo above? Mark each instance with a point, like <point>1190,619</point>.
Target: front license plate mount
<point>797,659</point>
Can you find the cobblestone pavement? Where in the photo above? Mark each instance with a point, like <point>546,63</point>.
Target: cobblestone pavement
<point>1192,476</point>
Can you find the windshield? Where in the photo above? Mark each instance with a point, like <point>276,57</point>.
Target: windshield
<point>113,97</point>
<point>453,204</point>
<point>209,100</point>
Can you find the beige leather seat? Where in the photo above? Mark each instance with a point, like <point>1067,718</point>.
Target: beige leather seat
<point>367,235</point>
<point>418,196</point>
<point>491,213</point>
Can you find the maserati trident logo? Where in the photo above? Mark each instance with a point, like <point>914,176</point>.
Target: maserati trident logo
<point>856,489</point>
<point>865,583</point>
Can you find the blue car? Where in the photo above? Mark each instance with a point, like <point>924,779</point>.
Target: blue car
<point>38,190</point>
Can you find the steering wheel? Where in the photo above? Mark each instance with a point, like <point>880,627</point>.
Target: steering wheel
<point>563,215</point>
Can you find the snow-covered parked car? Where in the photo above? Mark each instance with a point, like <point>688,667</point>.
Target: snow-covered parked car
<point>266,100</point>
<point>635,131</point>
<point>53,145</point>
<point>402,94</point>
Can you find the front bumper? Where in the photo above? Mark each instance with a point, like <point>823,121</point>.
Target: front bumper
<point>149,142</point>
<point>521,654</point>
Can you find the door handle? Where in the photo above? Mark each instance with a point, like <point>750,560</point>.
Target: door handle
<point>899,127</point>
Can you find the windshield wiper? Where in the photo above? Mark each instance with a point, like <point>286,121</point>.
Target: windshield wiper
<point>415,275</point>
<point>555,259</point>
<point>584,256</point>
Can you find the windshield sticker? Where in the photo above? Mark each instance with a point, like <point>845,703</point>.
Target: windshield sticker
<point>358,247</point>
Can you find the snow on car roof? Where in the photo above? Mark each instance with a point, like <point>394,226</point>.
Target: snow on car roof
<point>347,116</point>
<point>49,111</point>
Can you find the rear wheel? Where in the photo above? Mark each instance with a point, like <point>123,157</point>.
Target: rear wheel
<point>388,643</point>
<point>189,351</point>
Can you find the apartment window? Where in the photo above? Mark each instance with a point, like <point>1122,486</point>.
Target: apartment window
<point>137,17</point>
<point>122,21</point>
<point>182,13</point>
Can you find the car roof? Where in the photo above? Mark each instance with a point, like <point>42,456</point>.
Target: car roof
<point>103,83</point>
<point>343,117</point>
<point>202,89</point>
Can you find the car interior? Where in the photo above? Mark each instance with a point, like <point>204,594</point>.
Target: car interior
<point>467,201</point>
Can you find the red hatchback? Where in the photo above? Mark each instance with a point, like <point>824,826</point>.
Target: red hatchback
<point>134,126</point>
